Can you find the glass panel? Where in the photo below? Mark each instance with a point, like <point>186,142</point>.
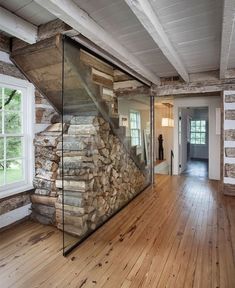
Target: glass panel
<point>193,129</point>
<point>203,138</point>
<point>1,148</point>
<point>203,129</point>
<point>12,99</point>
<point>14,147</point>
<point>198,128</point>
<point>14,171</point>
<point>198,135</point>
<point>101,170</point>
<point>1,173</point>
<point>13,122</point>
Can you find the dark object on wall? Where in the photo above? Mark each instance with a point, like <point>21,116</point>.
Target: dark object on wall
<point>160,147</point>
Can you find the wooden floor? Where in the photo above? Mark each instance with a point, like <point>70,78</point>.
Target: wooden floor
<point>179,234</point>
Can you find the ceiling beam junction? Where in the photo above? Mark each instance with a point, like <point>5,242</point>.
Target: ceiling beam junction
<point>227,33</point>
<point>17,27</point>
<point>149,19</point>
<point>79,20</point>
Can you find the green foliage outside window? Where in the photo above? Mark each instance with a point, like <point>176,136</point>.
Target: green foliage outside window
<point>11,143</point>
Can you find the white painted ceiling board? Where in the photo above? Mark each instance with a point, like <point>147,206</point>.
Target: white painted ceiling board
<point>116,17</point>
<point>28,10</point>
<point>14,5</point>
<point>192,25</point>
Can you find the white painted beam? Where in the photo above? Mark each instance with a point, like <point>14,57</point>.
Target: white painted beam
<point>18,27</point>
<point>79,20</point>
<point>227,33</point>
<point>146,15</point>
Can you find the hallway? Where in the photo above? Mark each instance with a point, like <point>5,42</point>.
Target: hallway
<point>179,234</point>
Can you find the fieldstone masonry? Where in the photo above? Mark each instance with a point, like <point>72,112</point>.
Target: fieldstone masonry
<point>99,175</point>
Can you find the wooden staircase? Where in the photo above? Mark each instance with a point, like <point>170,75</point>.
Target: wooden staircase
<point>43,64</point>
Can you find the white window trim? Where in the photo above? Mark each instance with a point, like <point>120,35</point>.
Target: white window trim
<point>199,144</point>
<point>28,123</point>
<point>138,112</point>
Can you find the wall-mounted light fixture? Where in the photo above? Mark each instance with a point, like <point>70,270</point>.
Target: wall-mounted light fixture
<point>168,121</point>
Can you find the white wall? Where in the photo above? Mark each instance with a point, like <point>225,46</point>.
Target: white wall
<point>214,140</point>
<point>185,114</point>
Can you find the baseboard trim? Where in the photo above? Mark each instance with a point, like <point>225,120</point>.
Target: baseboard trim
<point>15,215</point>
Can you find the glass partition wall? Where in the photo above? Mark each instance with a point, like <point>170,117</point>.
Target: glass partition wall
<point>106,142</point>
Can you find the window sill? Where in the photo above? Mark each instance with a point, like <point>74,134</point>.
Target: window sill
<point>16,190</point>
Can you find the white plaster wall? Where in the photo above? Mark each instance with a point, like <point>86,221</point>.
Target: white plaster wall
<point>214,140</point>
<point>185,114</point>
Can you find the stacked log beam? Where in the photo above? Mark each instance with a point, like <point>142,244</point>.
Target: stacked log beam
<point>229,144</point>
<point>99,177</point>
<point>46,166</point>
<point>94,178</point>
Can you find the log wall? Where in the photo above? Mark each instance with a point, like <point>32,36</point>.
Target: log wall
<point>99,175</point>
<point>229,143</point>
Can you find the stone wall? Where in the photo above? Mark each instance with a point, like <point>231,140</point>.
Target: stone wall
<point>13,202</point>
<point>99,175</point>
<point>229,143</point>
<point>45,114</point>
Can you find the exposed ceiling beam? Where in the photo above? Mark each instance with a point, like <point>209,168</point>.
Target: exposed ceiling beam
<point>18,27</point>
<point>227,33</point>
<point>146,15</point>
<point>194,88</point>
<point>79,20</point>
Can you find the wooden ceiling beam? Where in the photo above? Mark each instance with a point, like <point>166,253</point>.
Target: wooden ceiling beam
<point>227,33</point>
<point>146,15</point>
<point>18,27</point>
<point>79,20</point>
<point>194,88</point>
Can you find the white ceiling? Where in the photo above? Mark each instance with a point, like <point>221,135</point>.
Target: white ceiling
<point>28,10</point>
<point>192,26</point>
<point>116,17</point>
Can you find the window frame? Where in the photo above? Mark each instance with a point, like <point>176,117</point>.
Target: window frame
<point>198,132</point>
<point>138,129</point>
<point>28,121</point>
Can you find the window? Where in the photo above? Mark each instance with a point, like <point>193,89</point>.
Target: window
<point>198,132</point>
<point>16,127</point>
<point>135,128</point>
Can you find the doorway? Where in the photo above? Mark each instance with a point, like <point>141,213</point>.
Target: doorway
<point>193,141</point>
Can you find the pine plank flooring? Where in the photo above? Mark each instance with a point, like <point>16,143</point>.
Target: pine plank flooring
<point>181,233</point>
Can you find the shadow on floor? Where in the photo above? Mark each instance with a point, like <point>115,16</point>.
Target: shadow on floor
<point>197,168</point>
